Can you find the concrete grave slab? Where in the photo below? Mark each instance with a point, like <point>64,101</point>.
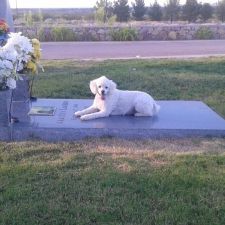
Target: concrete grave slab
<point>176,119</point>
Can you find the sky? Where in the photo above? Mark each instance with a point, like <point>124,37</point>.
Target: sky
<point>77,3</point>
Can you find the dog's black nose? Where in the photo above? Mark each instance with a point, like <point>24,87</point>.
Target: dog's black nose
<point>103,92</point>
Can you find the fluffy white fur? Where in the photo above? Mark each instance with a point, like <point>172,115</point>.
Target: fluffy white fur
<point>111,101</point>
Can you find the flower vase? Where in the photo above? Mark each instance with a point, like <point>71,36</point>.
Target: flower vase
<point>5,108</point>
<point>21,92</point>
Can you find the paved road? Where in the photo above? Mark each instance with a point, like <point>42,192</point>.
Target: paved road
<point>126,50</point>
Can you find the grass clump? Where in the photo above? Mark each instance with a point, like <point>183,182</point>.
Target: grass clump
<point>204,33</point>
<point>63,34</point>
<point>56,34</point>
<point>124,34</point>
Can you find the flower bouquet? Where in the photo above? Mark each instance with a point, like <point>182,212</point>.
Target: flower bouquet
<point>17,56</point>
<point>33,65</point>
<point>13,56</point>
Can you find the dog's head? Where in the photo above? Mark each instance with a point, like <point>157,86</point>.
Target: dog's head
<point>102,86</point>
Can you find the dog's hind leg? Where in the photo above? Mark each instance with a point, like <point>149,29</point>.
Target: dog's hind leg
<point>143,110</point>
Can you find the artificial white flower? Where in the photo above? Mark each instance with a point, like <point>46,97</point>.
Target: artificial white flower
<point>8,64</point>
<point>13,56</point>
<point>19,42</point>
<point>11,83</point>
<point>9,54</point>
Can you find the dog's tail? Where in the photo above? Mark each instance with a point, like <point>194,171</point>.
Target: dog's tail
<point>156,108</point>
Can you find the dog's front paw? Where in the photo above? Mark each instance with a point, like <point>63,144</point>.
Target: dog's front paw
<point>78,113</point>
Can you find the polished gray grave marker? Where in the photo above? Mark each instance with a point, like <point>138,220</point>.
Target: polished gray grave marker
<point>175,119</point>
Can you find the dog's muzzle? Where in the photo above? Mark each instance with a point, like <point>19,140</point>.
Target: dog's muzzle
<point>102,95</point>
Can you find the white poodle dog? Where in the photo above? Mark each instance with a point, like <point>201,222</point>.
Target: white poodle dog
<point>111,101</point>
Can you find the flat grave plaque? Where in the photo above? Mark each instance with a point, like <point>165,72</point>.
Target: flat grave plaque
<point>173,115</point>
<point>175,119</point>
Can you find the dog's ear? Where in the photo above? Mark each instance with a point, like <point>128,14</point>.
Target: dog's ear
<point>112,85</point>
<point>93,87</point>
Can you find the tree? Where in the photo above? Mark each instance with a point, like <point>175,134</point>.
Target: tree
<point>191,10</point>
<point>103,10</point>
<point>172,9</point>
<point>155,12</point>
<point>138,9</point>
<point>28,18</point>
<point>206,11</point>
<point>220,10</point>
<point>121,10</point>
<point>40,16</point>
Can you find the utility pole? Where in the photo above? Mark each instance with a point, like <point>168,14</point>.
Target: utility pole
<point>16,10</point>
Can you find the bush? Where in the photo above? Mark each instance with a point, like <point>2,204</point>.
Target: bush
<point>63,34</point>
<point>204,33</point>
<point>44,34</point>
<point>124,34</point>
<point>56,34</point>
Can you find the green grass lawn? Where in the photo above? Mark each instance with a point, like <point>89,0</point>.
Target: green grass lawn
<point>113,181</point>
<point>109,181</point>
<point>197,79</point>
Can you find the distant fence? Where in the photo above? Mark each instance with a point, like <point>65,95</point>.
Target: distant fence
<point>126,33</point>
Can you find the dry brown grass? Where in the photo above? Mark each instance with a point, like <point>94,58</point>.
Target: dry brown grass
<point>155,152</point>
<point>121,147</point>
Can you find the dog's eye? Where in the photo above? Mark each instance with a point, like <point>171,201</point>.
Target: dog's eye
<point>106,87</point>
<point>99,86</point>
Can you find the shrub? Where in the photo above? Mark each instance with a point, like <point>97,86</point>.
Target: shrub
<point>112,20</point>
<point>204,33</point>
<point>63,34</point>
<point>44,34</point>
<point>28,18</point>
<point>124,34</point>
<point>56,34</point>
